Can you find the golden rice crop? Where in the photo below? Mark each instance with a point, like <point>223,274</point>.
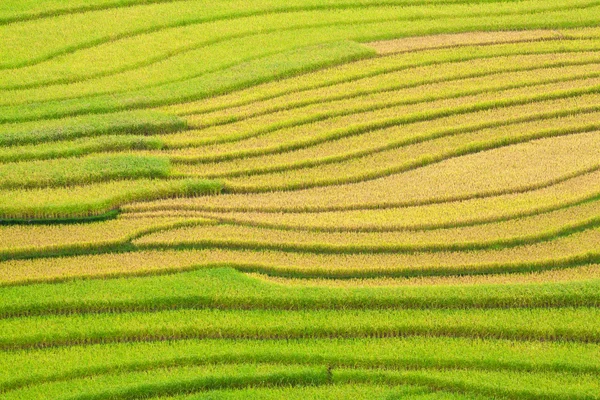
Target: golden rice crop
<point>405,159</point>
<point>195,180</point>
<point>537,257</point>
<point>259,136</point>
<point>460,39</point>
<point>261,238</point>
<point>382,193</point>
<point>544,255</point>
<point>40,237</point>
<point>389,159</point>
<point>541,227</point>
<point>363,69</point>
<point>454,214</point>
<point>417,84</point>
<point>400,140</point>
<point>89,200</point>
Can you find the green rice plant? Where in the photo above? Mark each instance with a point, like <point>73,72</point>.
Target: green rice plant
<point>133,22</point>
<point>415,217</point>
<point>571,324</point>
<point>407,85</point>
<point>226,288</point>
<point>339,391</point>
<point>187,90</point>
<point>53,173</point>
<point>81,201</point>
<point>79,147</point>
<point>177,67</point>
<point>136,122</point>
<point>242,75</point>
<point>12,11</point>
<point>142,56</point>
<point>532,385</point>
<point>171,381</point>
<point>346,75</point>
<point>52,364</point>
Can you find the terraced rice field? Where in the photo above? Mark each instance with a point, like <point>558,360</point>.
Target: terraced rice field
<point>328,199</point>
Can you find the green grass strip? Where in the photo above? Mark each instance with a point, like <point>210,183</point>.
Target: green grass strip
<point>243,75</point>
<point>131,122</point>
<point>61,364</point>
<point>24,175</point>
<point>173,381</point>
<point>545,324</point>
<point>492,384</point>
<point>429,115</point>
<point>352,391</point>
<point>226,288</point>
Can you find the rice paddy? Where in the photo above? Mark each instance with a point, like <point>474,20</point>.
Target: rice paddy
<point>393,199</point>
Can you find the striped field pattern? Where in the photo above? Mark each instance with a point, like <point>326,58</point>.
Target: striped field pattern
<point>298,199</point>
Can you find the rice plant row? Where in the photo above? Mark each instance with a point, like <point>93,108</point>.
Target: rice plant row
<point>299,199</point>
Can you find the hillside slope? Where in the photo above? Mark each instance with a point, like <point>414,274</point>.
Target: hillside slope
<point>300,199</point>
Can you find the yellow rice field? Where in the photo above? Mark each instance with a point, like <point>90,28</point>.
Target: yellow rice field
<point>300,199</point>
